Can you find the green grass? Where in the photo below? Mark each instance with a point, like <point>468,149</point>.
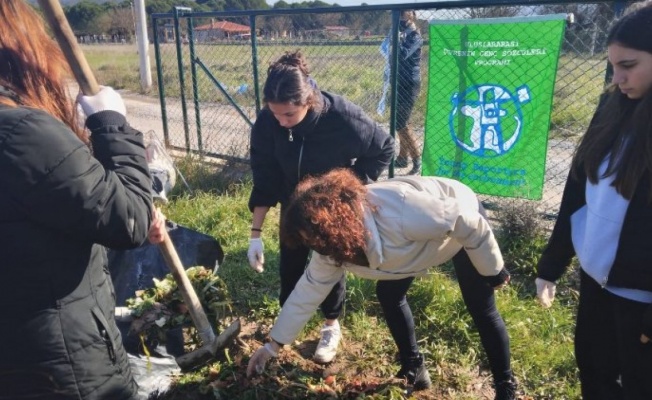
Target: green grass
<point>355,72</point>
<point>577,89</point>
<point>541,340</point>
<point>542,350</point>
<point>116,65</point>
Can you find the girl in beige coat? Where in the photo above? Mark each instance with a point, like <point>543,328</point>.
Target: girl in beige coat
<point>392,232</point>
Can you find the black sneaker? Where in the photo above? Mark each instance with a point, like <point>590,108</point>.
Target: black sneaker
<point>400,162</point>
<point>506,390</point>
<point>416,167</point>
<point>418,377</point>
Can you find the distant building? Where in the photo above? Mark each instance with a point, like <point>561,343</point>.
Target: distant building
<point>218,30</point>
<point>327,32</point>
<point>337,31</point>
<point>166,32</point>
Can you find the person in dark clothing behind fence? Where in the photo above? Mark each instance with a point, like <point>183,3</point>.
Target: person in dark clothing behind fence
<point>60,202</point>
<point>605,219</point>
<point>304,131</point>
<point>408,87</point>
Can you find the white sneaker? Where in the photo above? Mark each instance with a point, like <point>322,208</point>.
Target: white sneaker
<point>327,347</point>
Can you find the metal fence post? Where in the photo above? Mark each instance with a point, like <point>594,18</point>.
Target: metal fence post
<point>182,84</point>
<point>254,60</point>
<point>393,78</point>
<point>161,85</point>
<point>195,89</point>
<point>347,60</point>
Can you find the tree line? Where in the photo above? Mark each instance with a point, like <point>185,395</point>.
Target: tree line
<point>117,18</point>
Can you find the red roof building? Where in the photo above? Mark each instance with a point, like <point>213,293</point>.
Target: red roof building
<point>217,30</point>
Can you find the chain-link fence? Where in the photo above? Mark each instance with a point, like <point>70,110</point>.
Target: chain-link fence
<point>211,68</point>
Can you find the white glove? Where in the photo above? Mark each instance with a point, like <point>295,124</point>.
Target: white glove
<point>105,99</point>
<point>545,291</point>
<point>258,361</point>
<point>255,254</point>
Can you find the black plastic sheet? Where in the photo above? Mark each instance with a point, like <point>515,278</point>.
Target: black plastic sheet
<point>133,270</point>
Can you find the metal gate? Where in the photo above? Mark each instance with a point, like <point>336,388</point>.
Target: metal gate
<point>211,66</point>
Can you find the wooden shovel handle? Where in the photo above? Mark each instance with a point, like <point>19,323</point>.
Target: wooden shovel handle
<point>86,80</point>
<point>59,24</point>
<point>187,291</point>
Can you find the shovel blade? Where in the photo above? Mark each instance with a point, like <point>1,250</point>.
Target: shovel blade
<point>207,352</point>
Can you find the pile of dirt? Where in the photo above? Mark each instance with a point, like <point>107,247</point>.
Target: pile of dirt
<point>294,375</point>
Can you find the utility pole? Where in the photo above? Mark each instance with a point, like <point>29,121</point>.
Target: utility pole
<point>143,46</point>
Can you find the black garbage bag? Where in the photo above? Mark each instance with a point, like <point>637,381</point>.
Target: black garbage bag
<point>135,269</point>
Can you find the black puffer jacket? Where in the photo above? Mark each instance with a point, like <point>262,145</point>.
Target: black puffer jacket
<point>631,267</point>
<point>342,135</point>
<point>59,206</point>
<point>409,56</point>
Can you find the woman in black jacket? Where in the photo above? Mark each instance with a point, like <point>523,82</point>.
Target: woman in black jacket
<point>408,88</point>
<point>60,203</point>
<point>304,131</point>
<point>605,220</point>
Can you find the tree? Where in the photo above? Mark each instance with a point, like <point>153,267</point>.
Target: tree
<point>277,24</point>
<point>158,6</point>
<point>121,22</point>
<point>352,20</point>
<point>236,5</point>
<point>281,4</point>
<point>316,3</point>
<point>82,16</point>
<point>377,22</point>
<point>587,35</point>
<point>213,5</point>
<point>167,6</point>
<point>493,12</point>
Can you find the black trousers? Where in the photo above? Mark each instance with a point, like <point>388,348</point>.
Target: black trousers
<point>407,93</point>
<point>480,302</point>
<point>292,265</point>
<point>613,363</point>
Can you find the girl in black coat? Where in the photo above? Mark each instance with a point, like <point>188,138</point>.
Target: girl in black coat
<point>60,204</point>
<point>605,220</point>
<point>304,131</point>
<point>407,91</point>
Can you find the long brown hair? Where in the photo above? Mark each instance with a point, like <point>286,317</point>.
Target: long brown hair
<point>289,81</point>
<point>622,126</point>
<point>325,213</point>
<point>32,65</point>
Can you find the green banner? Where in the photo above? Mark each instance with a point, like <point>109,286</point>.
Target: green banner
<point>490,90</point>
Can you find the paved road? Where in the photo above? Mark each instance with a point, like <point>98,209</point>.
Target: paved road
<point>224,130</point>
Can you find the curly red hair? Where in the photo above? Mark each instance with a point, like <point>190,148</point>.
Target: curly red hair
<point>325,213</point>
